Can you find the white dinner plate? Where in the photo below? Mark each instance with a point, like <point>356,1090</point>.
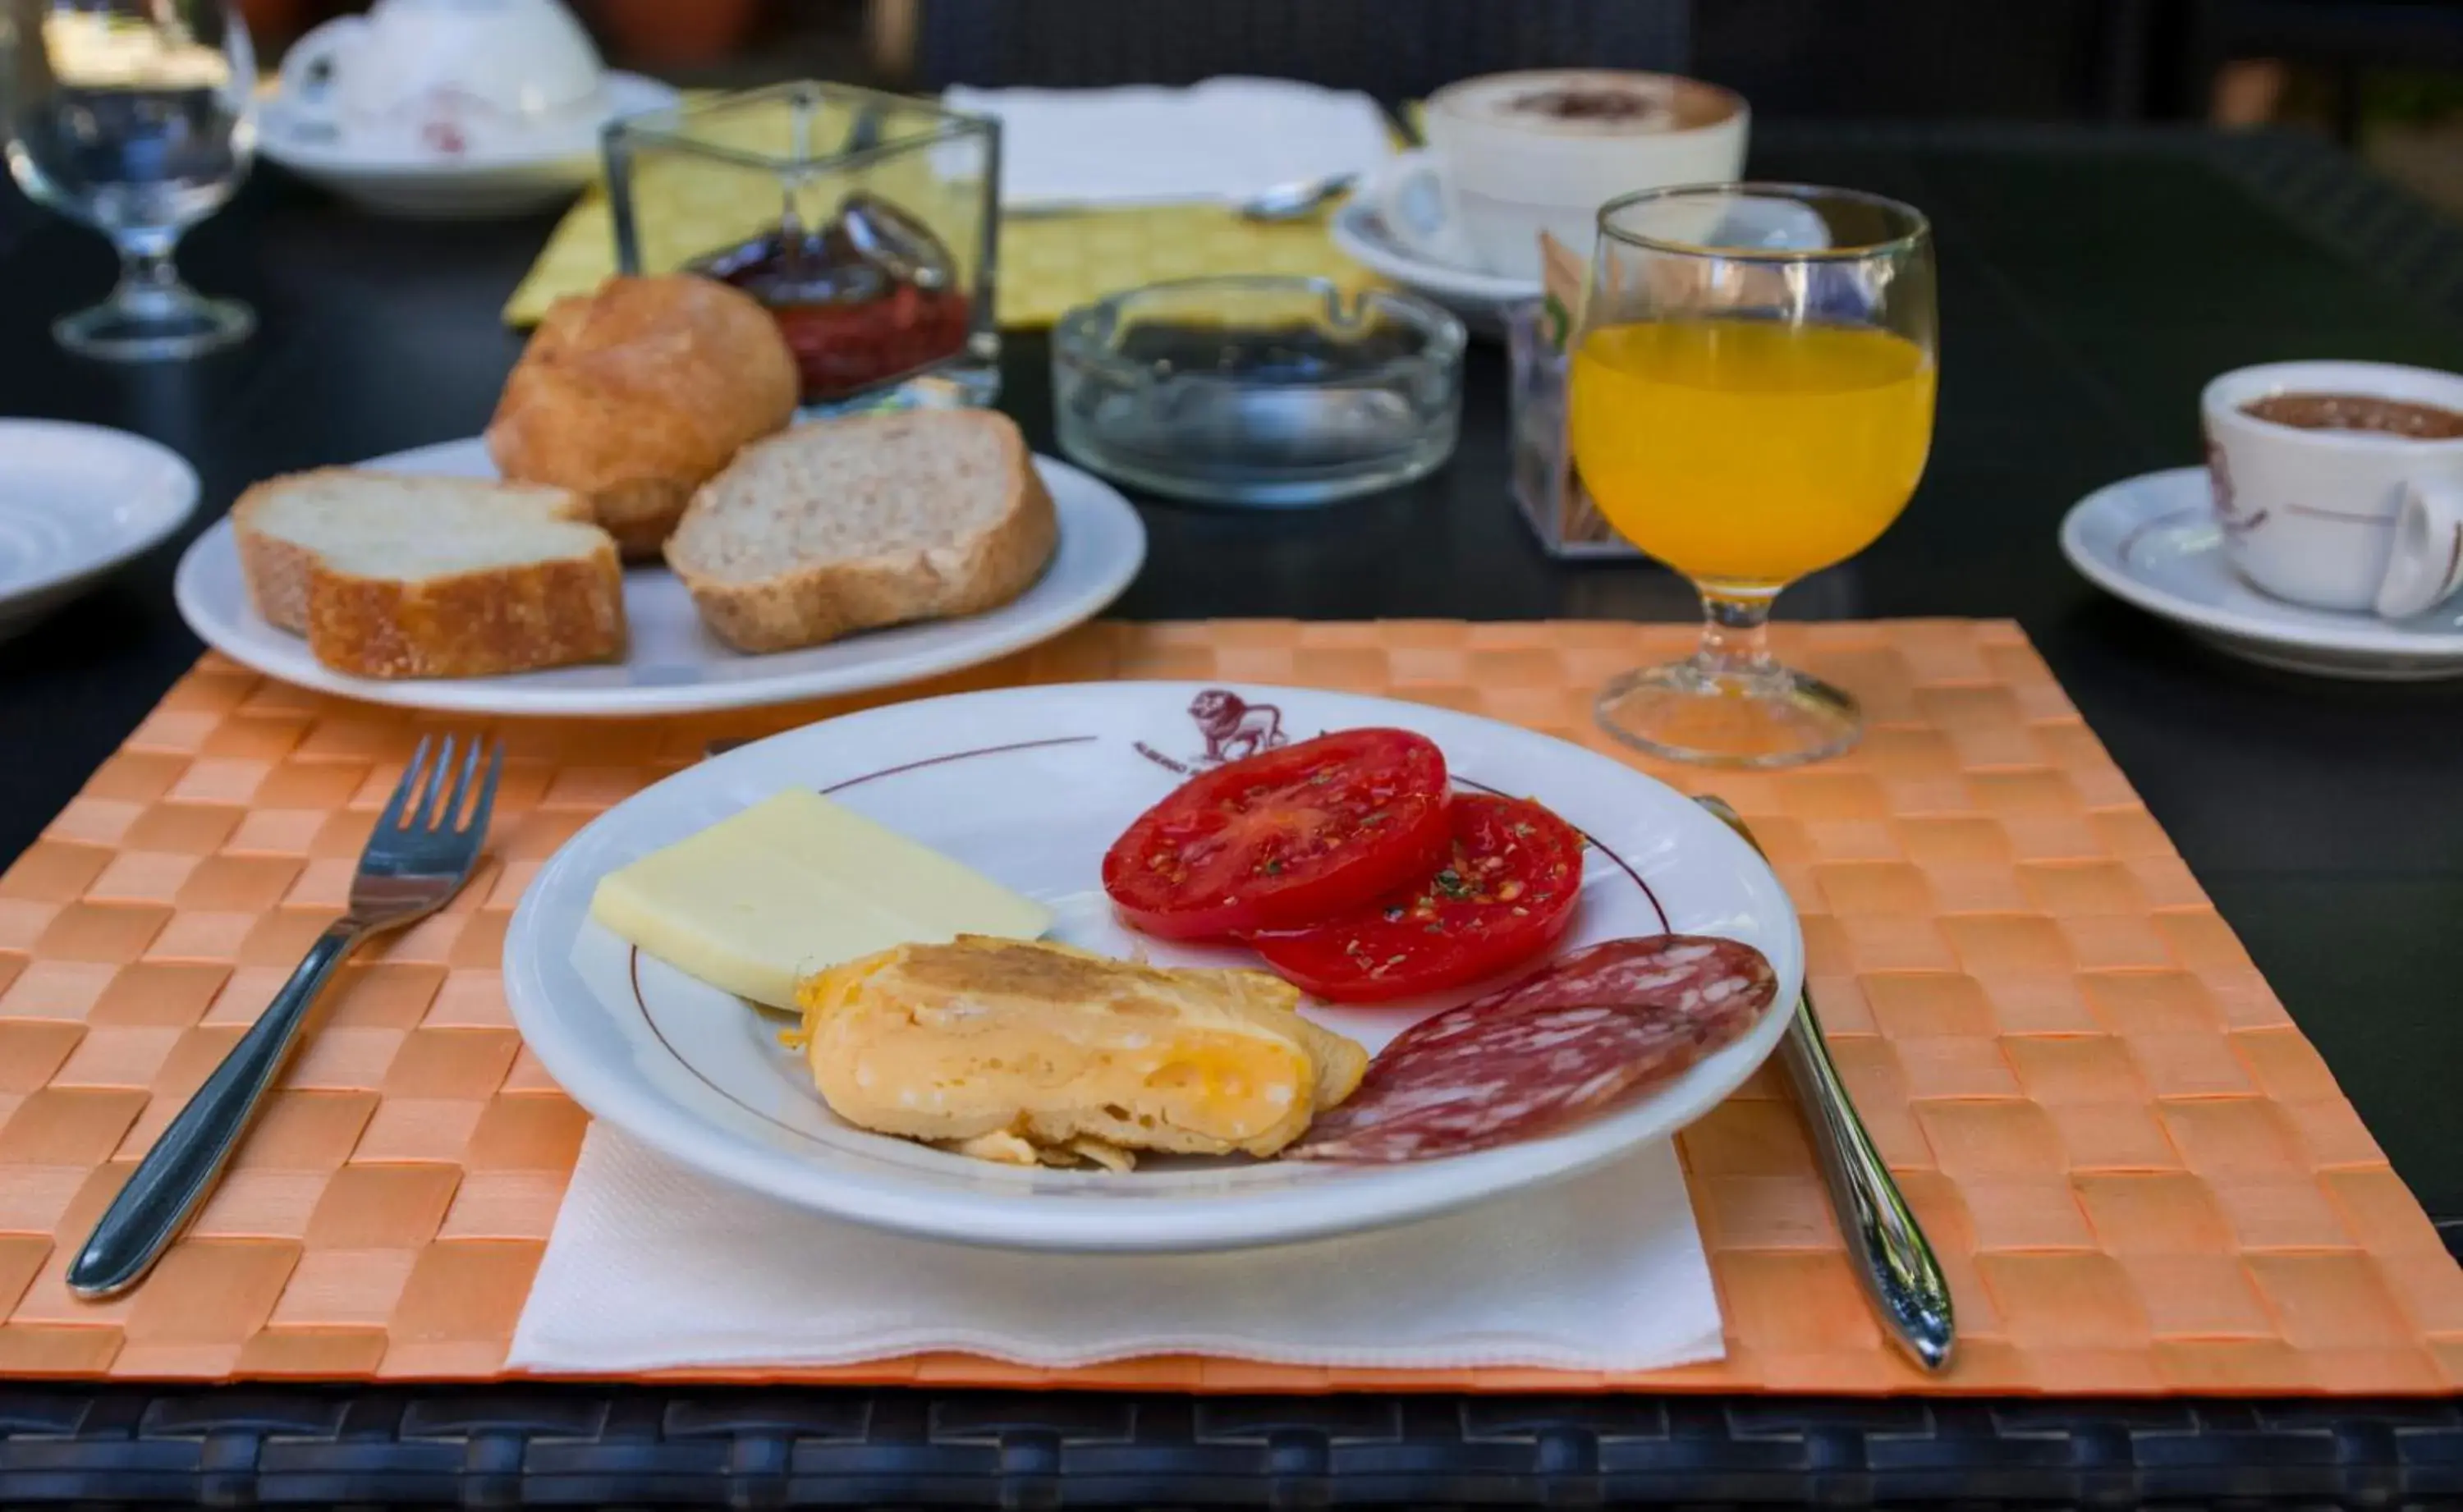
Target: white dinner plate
<point>510,177</point>
<point>1030,786</point>
<point>672,663</point>
<point>2153,541</point>
<point>76,500</point>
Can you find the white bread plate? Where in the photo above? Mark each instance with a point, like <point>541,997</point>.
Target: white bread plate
<point>1029,787</point>
<point>673,663</point>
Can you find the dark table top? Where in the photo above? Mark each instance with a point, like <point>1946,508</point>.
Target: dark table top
<point>2090,282</point>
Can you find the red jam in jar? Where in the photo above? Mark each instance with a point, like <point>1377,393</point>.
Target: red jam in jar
<point>843,349</point>
<point>864,300</point>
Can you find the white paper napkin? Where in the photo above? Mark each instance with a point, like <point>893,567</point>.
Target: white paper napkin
<point>1227,139</point>
<point>652,1266</point>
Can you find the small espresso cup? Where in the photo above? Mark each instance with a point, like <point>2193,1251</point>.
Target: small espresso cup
<point>1511,155</point>
<point>2356,520</point>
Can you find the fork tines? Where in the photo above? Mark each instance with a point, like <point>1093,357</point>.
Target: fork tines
<point>416,805</point>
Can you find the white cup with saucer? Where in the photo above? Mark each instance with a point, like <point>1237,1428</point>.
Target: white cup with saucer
<point>452,76</point>
<point>1511,155</point>
<point>2339,485</point>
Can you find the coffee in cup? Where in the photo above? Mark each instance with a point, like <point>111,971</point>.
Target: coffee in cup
<point>2339,485</point>
<point>1511,155</point>
<point>2369,413</point>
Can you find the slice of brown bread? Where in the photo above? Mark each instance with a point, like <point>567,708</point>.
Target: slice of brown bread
<point>390,575</point>
<point>846,524</point>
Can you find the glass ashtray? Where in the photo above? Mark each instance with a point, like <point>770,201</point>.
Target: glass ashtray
<point>1268,391</point>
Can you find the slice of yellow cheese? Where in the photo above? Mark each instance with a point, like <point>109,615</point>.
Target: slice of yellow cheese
<point>794,885</point>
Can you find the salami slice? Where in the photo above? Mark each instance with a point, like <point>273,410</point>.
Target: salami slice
<point>1571,1042</point>
<point>1645,969</point>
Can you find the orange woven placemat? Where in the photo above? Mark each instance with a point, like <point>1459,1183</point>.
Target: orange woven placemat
<point>2139,1174</point>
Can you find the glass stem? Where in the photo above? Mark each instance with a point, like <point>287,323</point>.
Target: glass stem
<point>147,274</point>
<point>1735,635</point>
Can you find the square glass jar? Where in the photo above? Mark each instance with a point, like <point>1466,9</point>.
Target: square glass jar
<point>867,222</point>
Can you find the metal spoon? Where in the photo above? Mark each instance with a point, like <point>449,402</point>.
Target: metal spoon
<point>1295,200</point>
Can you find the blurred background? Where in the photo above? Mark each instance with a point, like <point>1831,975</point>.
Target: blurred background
<point>2385,78</point>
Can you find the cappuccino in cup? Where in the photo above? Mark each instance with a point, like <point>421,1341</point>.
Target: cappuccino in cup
<point>1511,155</point>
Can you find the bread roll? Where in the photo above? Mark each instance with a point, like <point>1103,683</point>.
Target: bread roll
<point>635,395</point>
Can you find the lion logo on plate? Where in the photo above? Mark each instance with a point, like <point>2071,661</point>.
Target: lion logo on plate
<point>1234,727</point>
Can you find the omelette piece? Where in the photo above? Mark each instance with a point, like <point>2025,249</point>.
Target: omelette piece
<point>1015,1148</point>
<point>1035,1054</point>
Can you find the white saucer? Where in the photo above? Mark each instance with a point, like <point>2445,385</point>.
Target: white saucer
<point>2152,540</point>
<point>1478,298</point>
<point>491,179</point>
<point>76,500</point>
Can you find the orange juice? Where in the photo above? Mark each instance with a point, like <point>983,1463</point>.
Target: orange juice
<point>1749,452</point>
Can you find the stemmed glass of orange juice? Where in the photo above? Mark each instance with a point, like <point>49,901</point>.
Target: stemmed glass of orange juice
<point>1752,400</point>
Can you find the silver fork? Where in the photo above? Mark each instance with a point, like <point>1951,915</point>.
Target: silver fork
<point>1893,1258</point>
<point>423,847</point>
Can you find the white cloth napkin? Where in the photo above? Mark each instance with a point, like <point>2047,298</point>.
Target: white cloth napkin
<point>652,1266</point>
<point>1227,139</point>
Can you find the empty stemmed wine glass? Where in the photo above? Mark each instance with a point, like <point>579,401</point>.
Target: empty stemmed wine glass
<point>137,118</point>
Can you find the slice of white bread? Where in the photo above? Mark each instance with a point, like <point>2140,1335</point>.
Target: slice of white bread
<point>846,525</point>
<point>390,575</point>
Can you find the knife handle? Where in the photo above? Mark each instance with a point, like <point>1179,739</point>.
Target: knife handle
<point>1893,1260</point>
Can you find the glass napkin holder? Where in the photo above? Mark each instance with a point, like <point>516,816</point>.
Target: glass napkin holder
<point>1547,487</point>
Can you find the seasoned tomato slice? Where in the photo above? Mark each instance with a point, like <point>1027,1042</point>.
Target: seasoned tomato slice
<point>1291,836</point>
<point>1504,894</point>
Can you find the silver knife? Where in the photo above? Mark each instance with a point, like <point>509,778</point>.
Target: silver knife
<point>1894,1262</point>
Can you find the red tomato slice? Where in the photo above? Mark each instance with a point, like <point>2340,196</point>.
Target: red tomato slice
<point>1287,837</point>
<point>1505,894</point>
